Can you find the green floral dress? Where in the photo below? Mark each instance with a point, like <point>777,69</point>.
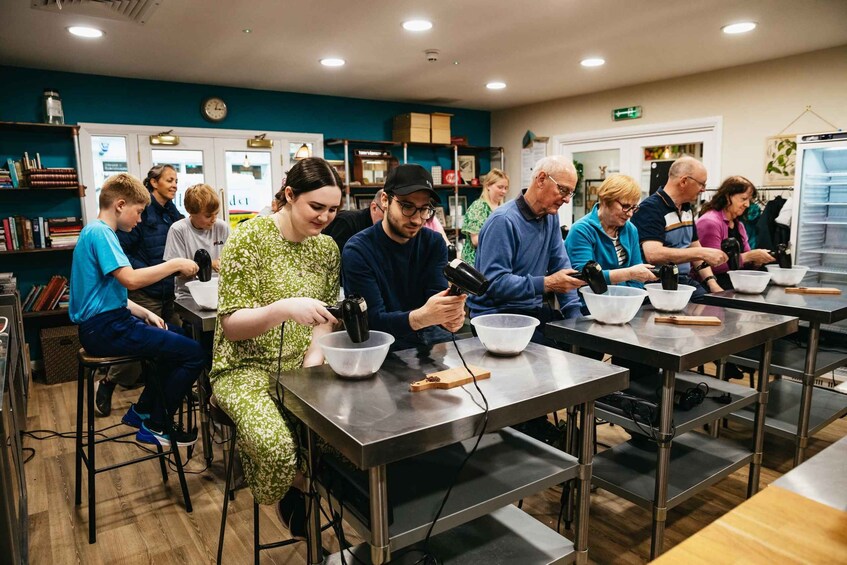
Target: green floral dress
<point>258,267</point>
<point>477,213</point>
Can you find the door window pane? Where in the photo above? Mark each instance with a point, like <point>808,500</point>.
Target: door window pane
<point>188,165</point>
<point>596,166</point>
<point>249,185</point>
<point>109,155</point>
<point>657,159</point>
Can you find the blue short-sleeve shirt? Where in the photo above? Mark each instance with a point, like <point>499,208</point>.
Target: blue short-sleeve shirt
<point>94,289</point>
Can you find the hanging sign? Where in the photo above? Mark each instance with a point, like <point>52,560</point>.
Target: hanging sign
<point>628,113</point>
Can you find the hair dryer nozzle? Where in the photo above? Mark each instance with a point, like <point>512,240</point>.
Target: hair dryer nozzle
<point>592,273</point>
<point>669,276</point>
<point>732,248</point>
<point>464,278</point>
<point>353,311</point>
<point>204,264</point>
<point>783,256</point>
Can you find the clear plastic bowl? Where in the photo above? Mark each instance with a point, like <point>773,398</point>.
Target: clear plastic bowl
<point>749,282</point>
<point>787,277</point>
<point>504,334</point>
<point>205,294</point>
<point>355,360</point>
<point>618,305</point>
<point>669,300</point>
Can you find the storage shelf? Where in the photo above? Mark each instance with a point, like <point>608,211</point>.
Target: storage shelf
<point>827,251</point>
<point>826,223</point>
<point>829,270</point>
<point>789,359</point>
<point>33,126</point>
<point>472,148</point>
<point>696,462</point>
<point>39,250</point>
<point>79,189</point>
<point>825,203</point>
<point>46,313</point>
<point>686,420</point>
<point>508,535</point>
<point>784,409</point>
<point>506,467</point>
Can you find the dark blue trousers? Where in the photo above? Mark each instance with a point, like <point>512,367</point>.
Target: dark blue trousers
<point>179,360</point>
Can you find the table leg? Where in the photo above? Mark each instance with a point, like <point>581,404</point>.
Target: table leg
<point>720,374</point>
<point>806,394</point>
<point>759,421</point>
<point>663,458</point>
<point>378,483</point>
<point>313,523</point>
<point>583,481</point>
<point>572,448</point>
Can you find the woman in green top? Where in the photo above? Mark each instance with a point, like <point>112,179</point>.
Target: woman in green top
<point>276,270</point>
<point>494,189</point>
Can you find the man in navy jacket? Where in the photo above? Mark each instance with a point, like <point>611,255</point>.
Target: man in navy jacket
<point>398,268</point>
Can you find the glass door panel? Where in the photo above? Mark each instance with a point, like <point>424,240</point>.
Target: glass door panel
<point>596,166</point>
<point>109,157</point>
<point>249,183</point>
<point>193,159</point>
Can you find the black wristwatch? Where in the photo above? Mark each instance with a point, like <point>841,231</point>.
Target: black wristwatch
<point>710,278</point>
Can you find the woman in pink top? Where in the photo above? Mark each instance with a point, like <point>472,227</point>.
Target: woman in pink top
<point>720,219</point>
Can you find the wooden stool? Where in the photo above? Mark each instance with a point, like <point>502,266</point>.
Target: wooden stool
<point>88,367</point>
<point>217,415</point>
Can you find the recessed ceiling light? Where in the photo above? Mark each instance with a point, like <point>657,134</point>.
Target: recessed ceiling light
<point>593,62</point>
<point>495,85</point>
<point>417,25</point>
<point>740,27</point>
<point>87,32</point>
<point>332,62</point>
<point>247,30</point>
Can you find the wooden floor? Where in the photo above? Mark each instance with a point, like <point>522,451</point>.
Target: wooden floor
<point>140,520</point>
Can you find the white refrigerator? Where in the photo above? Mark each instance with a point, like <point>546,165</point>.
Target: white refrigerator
<point>819,221</point>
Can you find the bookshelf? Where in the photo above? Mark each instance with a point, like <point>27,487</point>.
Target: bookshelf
<point>58,147</point>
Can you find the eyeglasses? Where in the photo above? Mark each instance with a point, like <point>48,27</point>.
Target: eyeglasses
<point>564,191</point>
<point>409,210</point>
<point>702,184</point>
<point>627,208</point>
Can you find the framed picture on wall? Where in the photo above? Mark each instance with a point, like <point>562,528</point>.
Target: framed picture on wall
<point>467,167</point>
<point>363,200</point>
<point>439,213</point>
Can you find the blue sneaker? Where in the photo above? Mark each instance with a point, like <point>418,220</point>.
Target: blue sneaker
<point>154,435</point>
<point>134,418</point>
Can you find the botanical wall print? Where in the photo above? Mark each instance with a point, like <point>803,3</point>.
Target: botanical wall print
<point>780,156</point>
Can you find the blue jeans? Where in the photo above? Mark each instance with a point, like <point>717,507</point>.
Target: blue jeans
<point>179,360</point>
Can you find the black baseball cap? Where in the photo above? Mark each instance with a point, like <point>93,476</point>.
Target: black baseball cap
<point>406,179</point>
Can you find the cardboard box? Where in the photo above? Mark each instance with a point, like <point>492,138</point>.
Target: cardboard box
<point>441,136</point>
<point>60,346</point>
<point>441,128</point>
<point>411,120</point>
<point>411,135</point>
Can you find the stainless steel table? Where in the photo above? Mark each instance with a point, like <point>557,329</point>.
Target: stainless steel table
<point>793,412</point>
<point>626,469</point>
<point>202,323</point>
<point>378,421</point>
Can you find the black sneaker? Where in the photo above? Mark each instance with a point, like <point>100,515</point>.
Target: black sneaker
<point>103,390</point>
<point>154,434</point>
<point>292,513</point>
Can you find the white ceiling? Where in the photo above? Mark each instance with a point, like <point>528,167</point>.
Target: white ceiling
<point>533,45</point>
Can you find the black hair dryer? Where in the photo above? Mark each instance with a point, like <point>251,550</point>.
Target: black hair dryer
<point>464,278</point>
<point>592,273</point>
<point>452,252</point>
<point>353,311</point>
<point>669,276</point>
<point>204,265</point>
<point>783,256</point>
<point>732,248</point>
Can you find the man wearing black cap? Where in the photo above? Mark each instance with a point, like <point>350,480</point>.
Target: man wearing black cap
<point>398,268</point>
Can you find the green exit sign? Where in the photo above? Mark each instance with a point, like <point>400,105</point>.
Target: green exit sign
<point>628,113</point>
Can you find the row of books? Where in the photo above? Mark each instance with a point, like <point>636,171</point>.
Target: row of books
<point>29,173</point>
<point>50,296</point>
<point>18,232</point>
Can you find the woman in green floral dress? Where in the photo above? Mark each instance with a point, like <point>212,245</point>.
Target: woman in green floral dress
<point>494,190</point>
<point>276,270</point>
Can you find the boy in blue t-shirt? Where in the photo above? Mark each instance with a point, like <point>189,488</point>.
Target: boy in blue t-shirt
<point>111,325</point>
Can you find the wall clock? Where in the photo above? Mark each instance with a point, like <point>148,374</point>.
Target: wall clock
<point>213,109</point>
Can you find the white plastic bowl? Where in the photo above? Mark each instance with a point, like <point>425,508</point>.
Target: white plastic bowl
<point>355,360</point>
<point>787,277</point>
<point>504,334</point>
<point>669,300</point>
<point>205,294</point>
<point>749,282</point>
<point>618,305</point>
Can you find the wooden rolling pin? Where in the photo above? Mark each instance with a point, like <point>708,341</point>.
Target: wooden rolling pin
<point>449,378</point>
<point>812,290</point>
<point>689,320</point>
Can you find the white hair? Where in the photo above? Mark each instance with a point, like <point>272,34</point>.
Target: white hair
<point>553,164</point>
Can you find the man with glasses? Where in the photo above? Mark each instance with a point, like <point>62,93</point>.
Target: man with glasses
<point>348,223</point>
<point>666,228</point>
<point>398,267</point>
<point>521,251</point>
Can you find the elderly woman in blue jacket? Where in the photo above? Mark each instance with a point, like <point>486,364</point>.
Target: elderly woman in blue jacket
<point>606,235</point>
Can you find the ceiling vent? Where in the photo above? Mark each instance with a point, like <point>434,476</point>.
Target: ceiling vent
<point>136,11</point>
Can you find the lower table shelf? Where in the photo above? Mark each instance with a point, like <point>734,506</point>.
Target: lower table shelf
<point>697,462</point>
<point>789,359</point>
<point>507,535</point>
<point>784,409</point>
<point>506,467</point>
